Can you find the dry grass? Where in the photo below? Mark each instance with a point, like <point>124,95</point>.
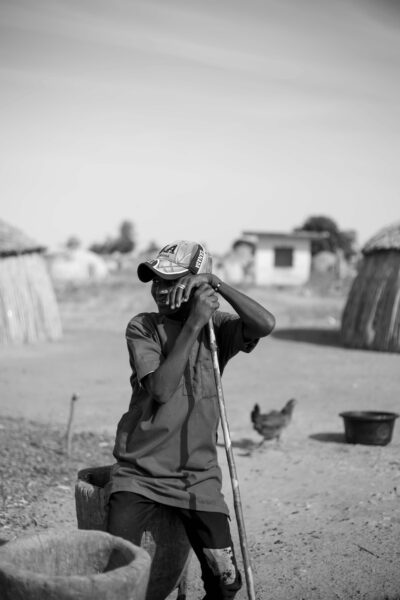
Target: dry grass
<point>32,462</point>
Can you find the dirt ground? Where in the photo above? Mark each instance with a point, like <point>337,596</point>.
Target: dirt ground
<point>322,516</point>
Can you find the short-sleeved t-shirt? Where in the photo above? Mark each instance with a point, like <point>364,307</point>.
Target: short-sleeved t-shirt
<point>168,452</point>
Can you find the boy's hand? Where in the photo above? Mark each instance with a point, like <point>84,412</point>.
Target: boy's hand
<point>182,290</point>
<point>204,304</point>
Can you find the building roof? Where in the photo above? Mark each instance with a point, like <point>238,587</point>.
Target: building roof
<point>291,235</point>
<point>13,241</point>
<point>387,238</point>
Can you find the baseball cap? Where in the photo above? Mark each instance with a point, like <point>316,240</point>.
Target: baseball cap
<point>175,260</point>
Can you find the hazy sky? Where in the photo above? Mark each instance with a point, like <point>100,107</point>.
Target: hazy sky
<point>198,118</point>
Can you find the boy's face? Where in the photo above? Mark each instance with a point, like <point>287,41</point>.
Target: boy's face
<point>160,291</point>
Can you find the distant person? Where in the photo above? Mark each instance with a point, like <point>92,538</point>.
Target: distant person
<point>166,444</point>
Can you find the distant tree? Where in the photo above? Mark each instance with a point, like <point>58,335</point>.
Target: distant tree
<point>124,242</point>
<point>240,243</point>
<point>73,242</point>
<point>335,240</point>
<point>105,247</point>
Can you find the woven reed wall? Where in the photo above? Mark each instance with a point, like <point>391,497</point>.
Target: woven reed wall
<point>371,317</point>
<point>28,306</point>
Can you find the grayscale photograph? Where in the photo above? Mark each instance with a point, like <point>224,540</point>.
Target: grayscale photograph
<point>199,300</point>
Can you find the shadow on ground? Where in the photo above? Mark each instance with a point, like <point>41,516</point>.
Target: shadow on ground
<point>245,444</point>
<point>248,444</point>
<point>322,337</point>
<point>328,437</point>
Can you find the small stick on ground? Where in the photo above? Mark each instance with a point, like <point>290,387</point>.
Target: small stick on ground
<point>366,550</point>
<point>68,435</point>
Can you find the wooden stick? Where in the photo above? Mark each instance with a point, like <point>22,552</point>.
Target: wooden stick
<point>366,550</point>
<point>68,435</point>
<point>232,468</point>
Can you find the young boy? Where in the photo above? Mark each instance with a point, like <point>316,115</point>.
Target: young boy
<point>166,444</point>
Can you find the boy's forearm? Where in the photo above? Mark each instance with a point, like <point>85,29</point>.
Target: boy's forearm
<point>257,320</point>
<point>162,383</point>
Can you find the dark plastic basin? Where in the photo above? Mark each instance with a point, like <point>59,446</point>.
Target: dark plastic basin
<point>368,427</point>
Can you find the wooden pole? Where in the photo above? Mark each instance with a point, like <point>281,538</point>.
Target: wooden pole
<point>232,468</point>
<point>68,435</point>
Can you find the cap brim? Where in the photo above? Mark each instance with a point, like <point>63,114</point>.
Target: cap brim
<point>147,271</point>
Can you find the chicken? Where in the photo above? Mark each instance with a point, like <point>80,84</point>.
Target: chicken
<point>270,425</point>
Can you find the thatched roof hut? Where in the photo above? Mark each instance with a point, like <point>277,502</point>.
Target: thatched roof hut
<point>28,306</point>
<point>371,317</point>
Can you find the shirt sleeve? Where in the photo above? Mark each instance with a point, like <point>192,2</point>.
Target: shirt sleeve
<point>143,346</point>
<point>230,339</point>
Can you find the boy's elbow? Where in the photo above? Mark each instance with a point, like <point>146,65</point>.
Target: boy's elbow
<point>272,323</point>
<point>160,399</point>
<point>262,327</point>
<point>159,393</point>
<point>268,325</point>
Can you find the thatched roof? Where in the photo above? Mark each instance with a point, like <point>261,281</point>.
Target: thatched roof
<point>14,242</point>
<point>386,239</point>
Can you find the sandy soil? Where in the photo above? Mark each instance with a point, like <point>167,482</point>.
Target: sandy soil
<point>322,516</point>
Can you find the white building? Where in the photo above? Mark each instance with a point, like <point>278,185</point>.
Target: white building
<point>282,258</point>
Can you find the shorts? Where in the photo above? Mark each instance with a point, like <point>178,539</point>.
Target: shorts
<point>208,533</point>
